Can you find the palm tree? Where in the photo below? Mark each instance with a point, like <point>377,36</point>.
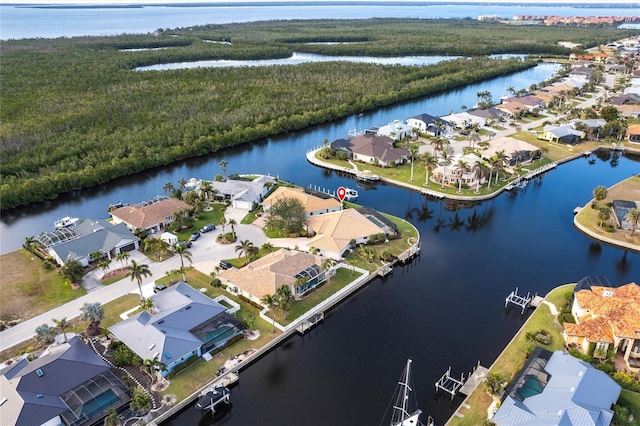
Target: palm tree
<point>300,282</point>
<point>151,368</point>
<point>62,324</point>
<point>271,303</point>
<point>480,169</point>
<point>429,161</point>
<point>168,188</point>
<point>463,167</point>
<point>285,297</point>
<point>94,313</point>
<point>123,257</point>
<point>138,272</point>
<point>244,248</point>
<point>183,253</point>
<point>511,90</point>
<point>599,193</point>
<point>501,159</point>
<point>327,264</point>
<point>147,305</point>
<point>474,137</point>
<point>182,183</point>
<point>223,167</point>
<point>112,418</point>
<point>205,190</point>
<point>104,265</point>
<point>30,244</point>
<point>445,160</point>
<point>633,216</point>
<point>45,334</point>
<point>413,150</point>
<point>233,223</point>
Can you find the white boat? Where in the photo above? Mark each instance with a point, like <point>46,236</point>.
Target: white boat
<point>66,222</point>
<point>401,415</point>
<point>213,397</point>
<point>350,194</point>
<point>367,176</point>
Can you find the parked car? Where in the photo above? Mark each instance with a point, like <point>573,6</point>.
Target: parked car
<point>186,244</point>
<point>158,288</point>
<point>225,265</point>
<point>194,236</point>
<point>207,228</point>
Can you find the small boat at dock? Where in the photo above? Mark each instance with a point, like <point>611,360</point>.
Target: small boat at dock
<point>215,396</point>
<point>367,176</point>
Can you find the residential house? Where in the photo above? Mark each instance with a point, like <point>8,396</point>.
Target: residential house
<point>464,120</point>
<point>264,276</point>
<point>530,102</point>
<point>561,134</point>
<point>631,111</point>
<point>314,202</point>
<point>426,123</point>
<point>454,172</point>
<point>581,72</point>
<point>152,215</point>
<point>516,151</point>
<point>513,109</point>
<point>68,385</point>
<point>379,150</point>
<point>592,124</point>
<point>94,236</point>
<point>554,389</point>
<point>608,318</point>
<point>184,323</point>
<point>396,130</point>
<point>244,194</point>
<point>485,115</point>
<point>336,232</point>
<point>342,145</point>
<point>625,99</point>
<point>633,133</point>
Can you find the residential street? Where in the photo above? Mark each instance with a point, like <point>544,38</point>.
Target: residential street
<point>206,255</point>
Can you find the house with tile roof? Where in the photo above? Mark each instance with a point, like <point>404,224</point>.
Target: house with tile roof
<point>185,323</point>
<point>516,150</point>
<point>147,216</point>
<point>264,276</point>
<point>609,318</point>
<point>633,133</point>
<point>375,149</point>
<point>244,194</point>
<point>95,236</point>
<point>313,205</point>
<point>335,232</point>
<point>68,385</point>
<point>554,389</point>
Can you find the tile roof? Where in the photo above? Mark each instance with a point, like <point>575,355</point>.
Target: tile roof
<point>310,202</point>
<point>380,147</point>
<point>265,275</point>
<point>144,217</point>
<point>336,230</point>
<point>612,312</point>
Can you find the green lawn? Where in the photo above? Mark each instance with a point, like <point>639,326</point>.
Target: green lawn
<point>631,400</point>
<point>340,280</point>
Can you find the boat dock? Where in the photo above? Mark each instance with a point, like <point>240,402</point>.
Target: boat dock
<point>452,385</point>
<point>310,322</point>
<point>521,301</point>
<point>227,379</point>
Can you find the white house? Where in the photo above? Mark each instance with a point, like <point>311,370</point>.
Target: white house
<point>395,130</point>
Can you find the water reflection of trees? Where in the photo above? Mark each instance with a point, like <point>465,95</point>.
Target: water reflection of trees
<point>623,264</point>
<point>476,220</point>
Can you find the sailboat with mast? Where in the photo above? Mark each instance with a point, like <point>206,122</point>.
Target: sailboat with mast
<point>405,411</point>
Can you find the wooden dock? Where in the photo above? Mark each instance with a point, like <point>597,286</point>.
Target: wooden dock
<point>474,380</point>
<point>227,379</point>
<point>310,322</point>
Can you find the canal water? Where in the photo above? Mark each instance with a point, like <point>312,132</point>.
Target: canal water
<point>444,309</point>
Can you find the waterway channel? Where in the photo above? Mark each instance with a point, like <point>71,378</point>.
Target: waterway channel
<point>444,309</point>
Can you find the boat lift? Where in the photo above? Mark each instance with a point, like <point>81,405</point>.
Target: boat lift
<point>518,300</point>
<point>449,384</point>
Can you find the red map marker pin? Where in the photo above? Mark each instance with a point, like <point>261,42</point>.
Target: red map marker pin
<point>341,193</point>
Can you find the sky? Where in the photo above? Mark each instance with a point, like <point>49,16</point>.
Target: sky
<point>142,2</point>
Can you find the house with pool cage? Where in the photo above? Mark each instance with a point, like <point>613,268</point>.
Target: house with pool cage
<point>68,385</point>
<point>183,323</point>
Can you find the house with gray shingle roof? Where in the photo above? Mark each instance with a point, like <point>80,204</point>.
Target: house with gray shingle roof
<point>244,194</point>
<point>562,134</point>
<point>68,385</point>
<point>186,323</point>
<point>378,150</point>
<point>96,235</point>
<point>555,389</point>
<point>426,123</point>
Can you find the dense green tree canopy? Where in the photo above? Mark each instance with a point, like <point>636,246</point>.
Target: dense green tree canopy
<point>75,114</point>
